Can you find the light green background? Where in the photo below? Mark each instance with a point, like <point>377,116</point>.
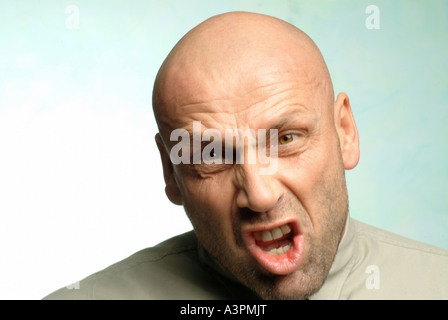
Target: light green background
<point>76,127</point>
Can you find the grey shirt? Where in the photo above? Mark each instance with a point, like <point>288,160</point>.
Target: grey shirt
<point>370,264</point>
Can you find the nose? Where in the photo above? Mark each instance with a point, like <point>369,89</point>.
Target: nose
<point>256,192</point>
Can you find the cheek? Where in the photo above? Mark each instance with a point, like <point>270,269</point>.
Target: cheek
<point>314,177</point>
<point>208,203</point>
<point>209,208</point>
<point>303,173</point>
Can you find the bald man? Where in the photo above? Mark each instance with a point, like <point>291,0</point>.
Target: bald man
<point>284,234</point>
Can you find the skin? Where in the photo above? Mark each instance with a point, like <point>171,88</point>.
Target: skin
<point>243,70</point>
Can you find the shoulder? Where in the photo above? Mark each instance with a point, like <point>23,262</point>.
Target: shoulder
<point>169,270</point>
<point>398,267</point>
<point>372,236</point>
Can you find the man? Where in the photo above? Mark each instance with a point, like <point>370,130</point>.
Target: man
<point>282,235</point>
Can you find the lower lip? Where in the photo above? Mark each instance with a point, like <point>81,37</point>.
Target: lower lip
<point>282,264</point>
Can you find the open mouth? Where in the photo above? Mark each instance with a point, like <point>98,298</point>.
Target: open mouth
<point>276,241</point>
<point>278,249</point>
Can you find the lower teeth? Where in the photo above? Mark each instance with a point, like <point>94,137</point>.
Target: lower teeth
<point>279,251</point>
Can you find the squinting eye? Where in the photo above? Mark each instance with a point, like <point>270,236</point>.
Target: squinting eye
<point>287,138</point>
<point>212,155</point>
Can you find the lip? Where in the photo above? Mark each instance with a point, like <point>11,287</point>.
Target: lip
<point>282,264</point>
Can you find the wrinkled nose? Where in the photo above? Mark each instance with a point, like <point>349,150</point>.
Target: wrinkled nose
<point>256,192</point>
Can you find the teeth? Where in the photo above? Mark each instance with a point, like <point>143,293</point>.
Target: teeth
<point>279,251</point>
<point>273,234</point>
<point>266,236</point>
<point>277,233</point>
<point>285,229</point>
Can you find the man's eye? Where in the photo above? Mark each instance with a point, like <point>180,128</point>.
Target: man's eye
<point>287,138</point>
<point>210,155</point>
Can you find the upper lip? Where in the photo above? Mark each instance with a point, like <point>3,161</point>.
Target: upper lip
<point>270,226</point>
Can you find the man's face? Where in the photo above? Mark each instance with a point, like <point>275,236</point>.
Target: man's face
<point>276,233</point>
<point>231,205</point>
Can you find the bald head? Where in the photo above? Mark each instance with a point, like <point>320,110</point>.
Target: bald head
<point>231,55</point>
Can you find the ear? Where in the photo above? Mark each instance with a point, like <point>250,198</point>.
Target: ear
<point>171,188</point>
<point>347,131</point>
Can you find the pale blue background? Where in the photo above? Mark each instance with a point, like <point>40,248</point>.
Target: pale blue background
<point>80,180</point>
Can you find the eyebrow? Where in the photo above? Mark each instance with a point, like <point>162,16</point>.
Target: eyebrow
<point>293,114</point>
<point>297,114</point>
<point>280,123</point>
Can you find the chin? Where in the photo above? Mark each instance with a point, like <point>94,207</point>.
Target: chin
<point>296,286</point>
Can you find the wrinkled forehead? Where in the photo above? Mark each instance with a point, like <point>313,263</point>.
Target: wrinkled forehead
<point>235,95</point>
<point>227,89</point>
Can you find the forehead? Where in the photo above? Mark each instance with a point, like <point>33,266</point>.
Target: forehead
<point>247,92</point>
<point>263,104</point>
<point>256,110</point>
